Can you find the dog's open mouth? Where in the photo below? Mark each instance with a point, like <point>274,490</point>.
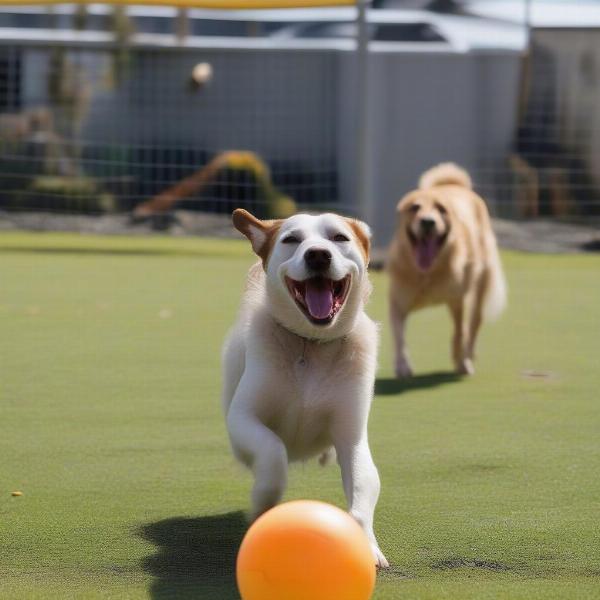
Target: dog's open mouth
<point>319,298</point>
<point>426,248</point>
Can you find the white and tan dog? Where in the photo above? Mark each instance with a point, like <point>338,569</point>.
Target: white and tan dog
<point>299,364</point>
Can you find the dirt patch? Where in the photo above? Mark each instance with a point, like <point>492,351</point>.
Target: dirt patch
<point>469,563</point>
<point>540,235</point>
<point>395,572</point>
<point>539,375</point>
<point>548,236</point>
<point>177,223</point>
<point>591,246</point>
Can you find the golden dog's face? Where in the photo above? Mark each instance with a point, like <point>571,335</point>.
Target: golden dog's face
<point>425,220</point>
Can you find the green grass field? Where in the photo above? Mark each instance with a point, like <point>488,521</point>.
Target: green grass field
<point>110,425</point>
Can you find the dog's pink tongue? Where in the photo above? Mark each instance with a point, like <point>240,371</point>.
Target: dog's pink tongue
<point>426,251</point>
<point>319,298</point>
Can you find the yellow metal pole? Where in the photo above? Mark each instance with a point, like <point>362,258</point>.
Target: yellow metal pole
<point>208,4</point>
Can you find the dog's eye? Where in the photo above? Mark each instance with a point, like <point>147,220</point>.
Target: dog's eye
<point>441,209</point>
<point>340,237</point>
<point>414,208</point>
<point>290,239</point>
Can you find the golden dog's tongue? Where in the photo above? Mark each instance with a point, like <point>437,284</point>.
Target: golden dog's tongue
<point>426,251</point>
<point>319,297</point>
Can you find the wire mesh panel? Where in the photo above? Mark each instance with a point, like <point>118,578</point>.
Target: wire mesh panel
<point>104,127</point>
<point>149,110</point>
<point>557,149</point>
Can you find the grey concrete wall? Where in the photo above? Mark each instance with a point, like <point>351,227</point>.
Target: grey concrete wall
<point>280,104</point>
<point>301,105</point>
<point>426,108</point>
<point>273,103</point>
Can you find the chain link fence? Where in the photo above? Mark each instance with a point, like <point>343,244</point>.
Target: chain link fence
<point>142,111</point>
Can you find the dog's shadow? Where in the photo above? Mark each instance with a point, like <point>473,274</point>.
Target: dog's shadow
<point>389,386</point>
<point>195,557</point>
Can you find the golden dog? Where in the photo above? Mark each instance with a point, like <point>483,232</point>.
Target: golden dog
<point>444,252</point>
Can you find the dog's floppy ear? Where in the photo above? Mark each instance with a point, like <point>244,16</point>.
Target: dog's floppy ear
<point>260,233</point>
<point>402,207</point>
<point>362,233</point>
<point>403,203</point>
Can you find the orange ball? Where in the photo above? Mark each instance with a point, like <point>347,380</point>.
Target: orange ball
<point>305,550</point>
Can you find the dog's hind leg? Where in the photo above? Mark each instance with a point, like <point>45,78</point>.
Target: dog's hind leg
<point>476,316</point>
<point>398,320</point>
<point>462,363</point>
<point>328,457</point>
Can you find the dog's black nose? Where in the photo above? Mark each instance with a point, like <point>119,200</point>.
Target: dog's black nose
<point>317,259</point>
<point>427,224</point>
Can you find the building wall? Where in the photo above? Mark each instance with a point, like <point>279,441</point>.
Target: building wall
<point>426,108</point>
<point>297,108</point>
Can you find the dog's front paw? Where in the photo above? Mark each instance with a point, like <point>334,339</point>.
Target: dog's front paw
<point>465,367</point>
<point>381,562</point>
<point>403,369</point>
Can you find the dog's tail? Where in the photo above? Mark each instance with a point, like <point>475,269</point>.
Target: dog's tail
<point>445,174</point>
<point>495,295</point>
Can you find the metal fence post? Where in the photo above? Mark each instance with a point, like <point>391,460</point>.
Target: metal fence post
<point>528,20</point>
<point>362,109</point>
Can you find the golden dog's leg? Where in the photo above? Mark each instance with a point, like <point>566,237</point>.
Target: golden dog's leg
<point>462,363</point>
<point>398,319</point>
<point>476,317</point>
